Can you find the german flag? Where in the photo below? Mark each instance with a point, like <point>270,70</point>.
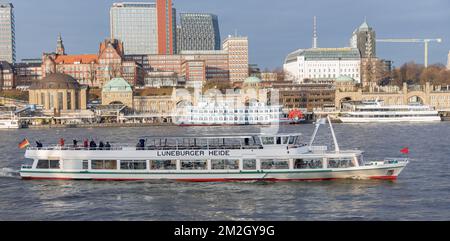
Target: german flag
<point>24,143</point>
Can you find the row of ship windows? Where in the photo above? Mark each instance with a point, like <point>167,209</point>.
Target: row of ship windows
<point>249,164</point>
<point>389,110</point>
<point>235,111</point>
<point>390,116</point>
<point>261,118</point>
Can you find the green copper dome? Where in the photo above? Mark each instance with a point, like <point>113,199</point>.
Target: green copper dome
<point>117,84</point>
<point>252,80</point>
<point>344,78</point>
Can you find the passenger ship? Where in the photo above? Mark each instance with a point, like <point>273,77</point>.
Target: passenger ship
<point>214,113</point>
<point>375,111</point>
<point>10,122</point>
<point>283,157</point>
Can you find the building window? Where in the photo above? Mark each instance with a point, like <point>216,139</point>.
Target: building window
<point>69,100</point>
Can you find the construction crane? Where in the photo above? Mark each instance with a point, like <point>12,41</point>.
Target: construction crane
<point>425,41</point>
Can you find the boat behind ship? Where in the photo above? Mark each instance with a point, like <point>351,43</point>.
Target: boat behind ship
<point>375,111</point>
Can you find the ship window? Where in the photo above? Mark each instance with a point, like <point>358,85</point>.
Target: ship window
<point>279,141</point>
<point>85,164</point>
<point>104,164</point>
<point>193,165</point>
<point>163,165</point>
<point>133,165</point>
<point>340,163</point>
<point>308,164</point>
<point>250,164</point>
<point>291,140</point>
<point>274,164</point>
<point>48,164</point>
<point>224,164</point>
<point>361,160</point>
<point>267,140</point>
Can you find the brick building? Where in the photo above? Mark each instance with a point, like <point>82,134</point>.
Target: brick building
<point>94,70</point>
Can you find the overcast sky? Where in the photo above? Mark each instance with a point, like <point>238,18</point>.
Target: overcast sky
<point>274,27</point>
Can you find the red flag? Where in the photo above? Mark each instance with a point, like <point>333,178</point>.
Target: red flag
<point>24,144</point>
<point>405,151</point>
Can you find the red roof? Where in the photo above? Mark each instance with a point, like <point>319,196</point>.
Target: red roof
<point>82,59</point>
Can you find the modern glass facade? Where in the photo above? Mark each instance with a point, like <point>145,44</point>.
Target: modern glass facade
<point>7,34</point>
<point>135,24</point>
<point>199,31</point>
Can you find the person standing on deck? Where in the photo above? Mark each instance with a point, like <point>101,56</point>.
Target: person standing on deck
<point>86,143</point>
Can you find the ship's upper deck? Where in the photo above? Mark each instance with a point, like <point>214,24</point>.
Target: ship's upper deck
<point>204,142</point>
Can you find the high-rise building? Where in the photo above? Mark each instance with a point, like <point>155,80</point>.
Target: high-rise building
<point>216,63</point>
<point>364,39</point>
<point>7,34</point>
<point>136,25</point>
<point>166,19</point>
<point>199,31</point>
<point>237,49</point>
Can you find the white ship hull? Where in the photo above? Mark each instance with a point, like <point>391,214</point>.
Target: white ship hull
<point>375,112</point>
<point>10,124</point>
<point>384,173</point>
<point>390,119</point>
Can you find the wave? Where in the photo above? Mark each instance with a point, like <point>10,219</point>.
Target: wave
<point>9,172</point>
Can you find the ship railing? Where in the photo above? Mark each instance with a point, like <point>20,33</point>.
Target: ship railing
<point>396,160</point>
<point>147,148</point>
<point>388,161</point>
<point>203,147</point>
<point>73,148</point>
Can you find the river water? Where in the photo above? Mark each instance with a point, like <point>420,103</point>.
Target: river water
<point>422,191</point>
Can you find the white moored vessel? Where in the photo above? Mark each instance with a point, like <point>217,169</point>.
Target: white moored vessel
<point>208,159</point>
<point>10,122</point>
<point>375,111</point>
<point>227,113</point>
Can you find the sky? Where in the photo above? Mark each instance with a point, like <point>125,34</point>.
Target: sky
<point>274,28</point>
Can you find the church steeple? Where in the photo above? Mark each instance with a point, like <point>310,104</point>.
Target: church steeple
<point>60,46</point>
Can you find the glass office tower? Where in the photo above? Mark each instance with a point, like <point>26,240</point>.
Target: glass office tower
<point>199,31</point>
<point>7,34</point>
<point>135,24</point>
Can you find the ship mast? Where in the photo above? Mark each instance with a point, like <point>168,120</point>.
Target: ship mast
<point>336,145</point>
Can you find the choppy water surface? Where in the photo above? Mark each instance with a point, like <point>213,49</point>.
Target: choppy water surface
<point>421,193</point>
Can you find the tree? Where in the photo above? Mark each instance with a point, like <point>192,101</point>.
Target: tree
<point>413,73</point>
